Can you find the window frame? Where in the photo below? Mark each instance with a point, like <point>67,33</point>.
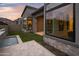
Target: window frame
<point>57,7</point>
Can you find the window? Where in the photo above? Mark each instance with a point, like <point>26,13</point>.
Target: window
<point>28,24</point>
<point>59,22</point>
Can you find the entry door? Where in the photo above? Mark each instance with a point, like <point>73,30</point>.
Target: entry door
<point>40,23</point>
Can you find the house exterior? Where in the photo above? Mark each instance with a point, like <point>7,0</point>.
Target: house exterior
<point>27,18</point>
<point>38,20</point>
<point>33,19</point>
<point>7,21</point>
<point>3,30</point>
<point>62,27</point>
<point>2,25</point>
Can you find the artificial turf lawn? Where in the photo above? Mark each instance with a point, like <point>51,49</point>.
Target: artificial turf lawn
<point>28,36</point>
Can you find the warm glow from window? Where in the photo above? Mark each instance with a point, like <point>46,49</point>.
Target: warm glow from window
<point>70,24</point>
<point>30,22</point>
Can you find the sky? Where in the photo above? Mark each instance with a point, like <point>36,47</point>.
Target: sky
<point>13,11</point>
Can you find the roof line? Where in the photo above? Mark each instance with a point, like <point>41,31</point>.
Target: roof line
<point>26,8</point>
<point>41,8</point>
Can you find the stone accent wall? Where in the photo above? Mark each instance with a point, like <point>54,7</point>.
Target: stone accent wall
<point>69,49</point>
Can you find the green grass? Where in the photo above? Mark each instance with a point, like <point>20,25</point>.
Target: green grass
<point>28,36</point>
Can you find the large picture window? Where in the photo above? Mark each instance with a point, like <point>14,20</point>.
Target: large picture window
<point>59,22</point>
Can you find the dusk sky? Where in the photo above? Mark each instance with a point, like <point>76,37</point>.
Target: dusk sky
<point>14,10</point>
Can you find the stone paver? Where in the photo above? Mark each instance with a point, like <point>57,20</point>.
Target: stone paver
<point>31,48</point>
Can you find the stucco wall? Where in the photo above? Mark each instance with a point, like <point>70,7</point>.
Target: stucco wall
<point>34,24</point>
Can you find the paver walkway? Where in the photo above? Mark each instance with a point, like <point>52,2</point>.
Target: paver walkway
<point>40,33</point>
<point>31,48</point>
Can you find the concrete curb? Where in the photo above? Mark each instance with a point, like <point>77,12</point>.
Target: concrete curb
<point>19,39</point>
